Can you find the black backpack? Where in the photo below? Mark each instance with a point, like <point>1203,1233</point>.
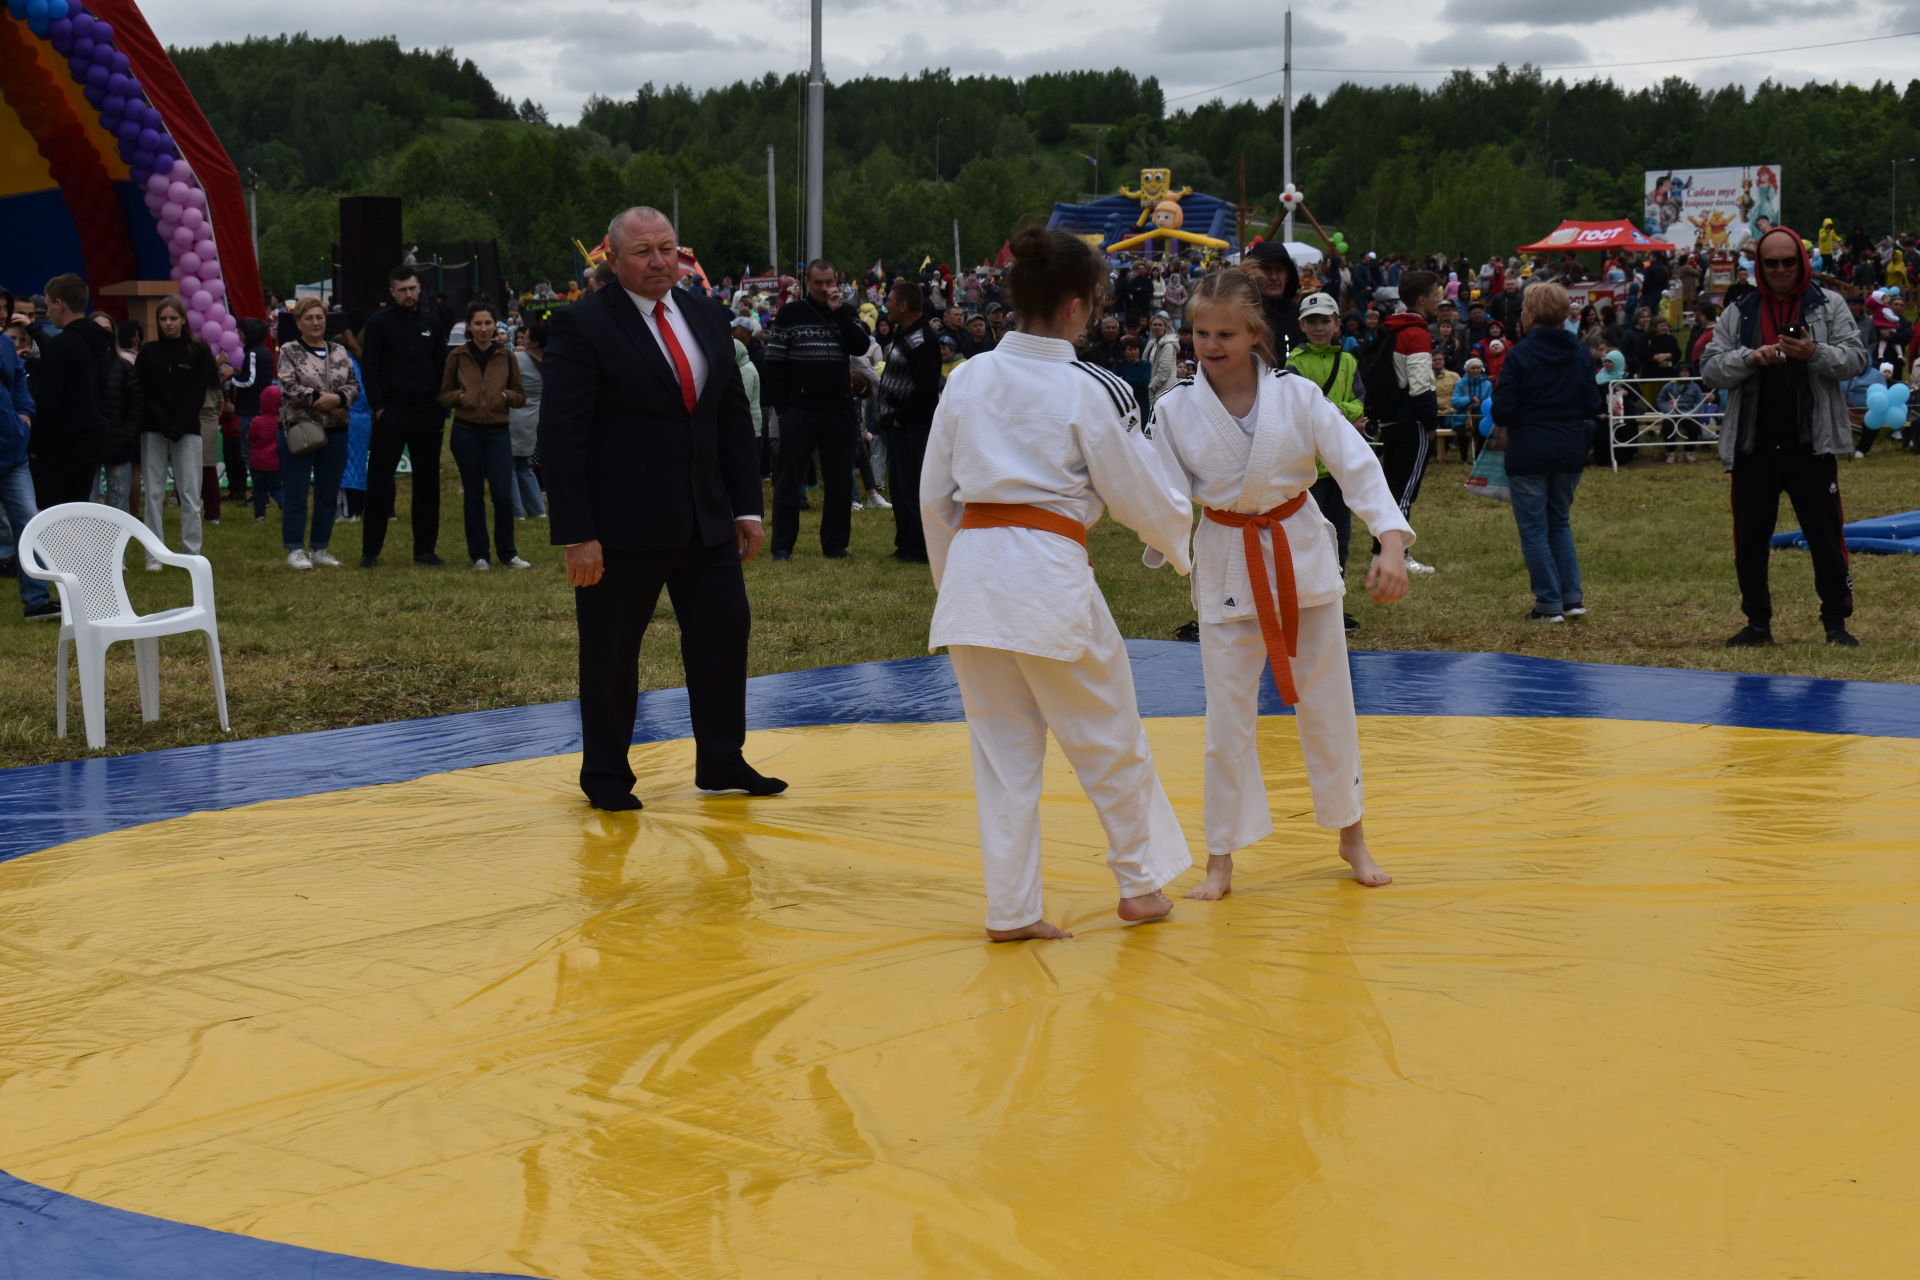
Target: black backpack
<point>1384,396</point>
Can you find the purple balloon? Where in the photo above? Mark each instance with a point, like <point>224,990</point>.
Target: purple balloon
<point>206,250</point>
<point>174,273</point>
<point>211,331</point>
<point>201,298</point>
<point>177,192</point>
<point>195,218</point>
<point>97,76</point>
<point>164,158</point>
<point>215,311</point>
<point>117,105</point>
<point>195,197</point>
<point>128,131</point>
<point>95,94</point>
<point>171,211</point>
<point>103,31</point>
<point>120,60</point>
<point>102,56</point>
<point>80,49</point>
<point>189,283</point>
<point>83,23</point>
<point>61,29</point>
<point>216,286</point>
<point>116,83</point>
<point>137,158</point>
<point>158,185</point>
<point>149,140</point>
<point>190,262</point>
<point>183,237</point>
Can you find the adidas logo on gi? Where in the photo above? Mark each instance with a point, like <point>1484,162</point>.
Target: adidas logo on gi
<point>1230,603</point>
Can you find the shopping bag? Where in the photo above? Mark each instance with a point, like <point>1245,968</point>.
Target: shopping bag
<point>1488,478</point>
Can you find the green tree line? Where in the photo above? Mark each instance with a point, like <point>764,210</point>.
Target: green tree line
<point>1478,163</point>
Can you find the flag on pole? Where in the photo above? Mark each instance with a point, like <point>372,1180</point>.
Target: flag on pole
<point>1090,160</point>
<point>926,262</point>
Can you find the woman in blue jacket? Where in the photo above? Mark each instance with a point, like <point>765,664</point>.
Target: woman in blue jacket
<point>1543,411</point>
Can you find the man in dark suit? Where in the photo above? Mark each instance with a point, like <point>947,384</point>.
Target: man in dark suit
<point>652,471</point>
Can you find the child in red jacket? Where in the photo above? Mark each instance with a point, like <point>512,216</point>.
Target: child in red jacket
<point>263,453</point>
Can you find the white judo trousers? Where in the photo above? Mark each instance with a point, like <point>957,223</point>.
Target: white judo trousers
<point>1232,656</point>
<point>1012,700</point>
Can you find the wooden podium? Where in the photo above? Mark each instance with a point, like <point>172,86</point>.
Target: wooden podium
<point>143,300</point>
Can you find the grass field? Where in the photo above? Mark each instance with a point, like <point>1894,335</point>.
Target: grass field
<point>338,647</point>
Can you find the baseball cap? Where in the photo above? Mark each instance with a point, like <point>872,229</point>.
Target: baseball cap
<point>1319,304</point>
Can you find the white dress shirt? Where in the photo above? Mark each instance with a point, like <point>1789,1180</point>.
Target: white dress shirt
<point>683,334</point>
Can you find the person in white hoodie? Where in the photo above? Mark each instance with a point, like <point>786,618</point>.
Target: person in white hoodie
<point>1242,437</point>
<point>1028,446</point>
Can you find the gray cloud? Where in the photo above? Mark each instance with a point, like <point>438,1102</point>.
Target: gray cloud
<point>559,55</point>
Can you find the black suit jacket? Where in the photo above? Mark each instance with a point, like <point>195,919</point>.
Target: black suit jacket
<point>624,463</point>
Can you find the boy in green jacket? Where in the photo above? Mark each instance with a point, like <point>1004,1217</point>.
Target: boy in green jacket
<point>1337,374</point>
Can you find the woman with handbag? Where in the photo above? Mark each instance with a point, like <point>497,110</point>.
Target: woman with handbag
<point>317,384</point>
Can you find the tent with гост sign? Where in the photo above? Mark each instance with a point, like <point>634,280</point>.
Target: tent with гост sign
<point>109,170</point>
<point>1885,536</point>
<point>1578,237</point>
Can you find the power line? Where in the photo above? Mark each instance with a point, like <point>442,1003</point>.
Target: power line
<point>1584,66</point>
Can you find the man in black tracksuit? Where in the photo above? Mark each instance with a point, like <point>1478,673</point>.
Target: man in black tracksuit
<point>909,392</point>
<point>810,345</point>
<point>402,357</point>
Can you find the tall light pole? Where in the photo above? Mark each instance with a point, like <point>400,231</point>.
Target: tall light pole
<point>1553,177</point>
<point>1286,123</point>
<point>1893,198</point>
<point>937,175</point>
<point>816,143</point>
<point>773,230</point>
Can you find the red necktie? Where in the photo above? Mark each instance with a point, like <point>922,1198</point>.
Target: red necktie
<point>680,365</point>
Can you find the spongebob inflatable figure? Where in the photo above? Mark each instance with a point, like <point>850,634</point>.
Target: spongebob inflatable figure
<point>1156,187</point>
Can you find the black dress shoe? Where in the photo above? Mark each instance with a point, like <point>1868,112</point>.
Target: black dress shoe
<point>783,555</point>
<point>369,562</point>
<point>910,557</point>
<point>1750,637</point>
<point>1841,637</point>
<point>616,802</point>
<point>837,555</point>
<point>9,568</point>
<point>739,776</point>
<point>1187,631</point>
<point>429,559</point>
<point>1350,622</point>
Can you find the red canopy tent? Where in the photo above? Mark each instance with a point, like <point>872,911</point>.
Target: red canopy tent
<point>1571,237</point>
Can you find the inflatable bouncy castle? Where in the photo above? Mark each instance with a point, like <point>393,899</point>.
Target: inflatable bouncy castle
<point>109,170</point>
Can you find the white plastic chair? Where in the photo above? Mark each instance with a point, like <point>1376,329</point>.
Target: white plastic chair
<point>81,548</point>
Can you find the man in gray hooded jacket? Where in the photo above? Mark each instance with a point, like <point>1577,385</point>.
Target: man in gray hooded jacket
<point>1783,354</point>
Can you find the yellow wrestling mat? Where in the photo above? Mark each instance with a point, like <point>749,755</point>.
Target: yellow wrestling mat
<point>1641,1002</point>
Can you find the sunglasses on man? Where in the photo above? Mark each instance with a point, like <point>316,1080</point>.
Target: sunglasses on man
<point>1780,263</point>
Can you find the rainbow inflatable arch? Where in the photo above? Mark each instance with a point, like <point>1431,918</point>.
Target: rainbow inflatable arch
<point>109,170</point>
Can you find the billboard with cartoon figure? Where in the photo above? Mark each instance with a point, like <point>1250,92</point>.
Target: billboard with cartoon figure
<point>1707,209</point>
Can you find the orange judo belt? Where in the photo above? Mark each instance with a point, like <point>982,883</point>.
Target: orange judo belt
<point>1282,632</point>
<point>1018,515</point>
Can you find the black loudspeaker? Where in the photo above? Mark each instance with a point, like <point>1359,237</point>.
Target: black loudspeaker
<point>369,248</point>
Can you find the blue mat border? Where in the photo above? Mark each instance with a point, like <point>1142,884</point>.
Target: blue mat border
<point>44,1233</point>
<point>45,805</point>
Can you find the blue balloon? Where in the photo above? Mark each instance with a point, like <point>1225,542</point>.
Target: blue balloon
<point>1877,396</point>
<point>1899,392</point>
<point>57,8</point>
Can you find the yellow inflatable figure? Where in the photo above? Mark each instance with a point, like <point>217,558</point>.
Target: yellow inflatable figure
<point>1897,272</point>
<point>1156,187</point>
<point>1167,219</point>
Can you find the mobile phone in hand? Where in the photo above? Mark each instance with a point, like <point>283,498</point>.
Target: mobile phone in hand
<point>1794,331</point>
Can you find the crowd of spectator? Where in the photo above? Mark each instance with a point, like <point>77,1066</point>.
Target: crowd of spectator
<point>843,373</point>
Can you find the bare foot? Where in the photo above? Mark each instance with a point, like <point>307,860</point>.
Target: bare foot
<point>1038,929</point>
<point>1148,906</point>
<point>1353,847</point>
<point>1219,881</point>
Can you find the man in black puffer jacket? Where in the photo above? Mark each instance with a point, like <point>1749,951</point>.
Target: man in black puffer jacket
<point>401,360</point>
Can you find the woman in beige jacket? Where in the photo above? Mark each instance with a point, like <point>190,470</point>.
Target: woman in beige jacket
<point>482,386</point>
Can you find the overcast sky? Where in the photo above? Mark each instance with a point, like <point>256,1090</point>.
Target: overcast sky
<point>559,52</point>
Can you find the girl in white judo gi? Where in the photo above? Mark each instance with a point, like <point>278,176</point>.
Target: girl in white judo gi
<point>1242,437</point>
<point>1027,447</point>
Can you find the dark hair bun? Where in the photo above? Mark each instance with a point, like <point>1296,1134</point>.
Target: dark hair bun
<point>1050,269</point>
